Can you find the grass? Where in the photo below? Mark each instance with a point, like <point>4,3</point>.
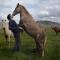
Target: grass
<point>52,49</point>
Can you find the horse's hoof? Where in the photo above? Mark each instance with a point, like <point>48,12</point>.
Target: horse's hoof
<point>42,53</point>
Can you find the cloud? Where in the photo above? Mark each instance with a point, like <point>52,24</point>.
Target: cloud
<point>39,9</point>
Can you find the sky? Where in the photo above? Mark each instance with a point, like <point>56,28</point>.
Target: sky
<point>40,9</point>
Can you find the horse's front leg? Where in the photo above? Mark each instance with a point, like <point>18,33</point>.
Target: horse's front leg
<point>9,41</point>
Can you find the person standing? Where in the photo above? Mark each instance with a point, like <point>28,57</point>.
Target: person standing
<point>13,26</point>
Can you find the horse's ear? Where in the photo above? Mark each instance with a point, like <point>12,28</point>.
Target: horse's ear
<point>18,4</point>
<point>2,20</point>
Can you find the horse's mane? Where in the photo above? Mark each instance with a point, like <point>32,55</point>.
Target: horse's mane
<point>25,9</point>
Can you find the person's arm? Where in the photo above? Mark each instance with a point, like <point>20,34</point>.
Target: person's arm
<point>16,25</point>
<point>13,26</point>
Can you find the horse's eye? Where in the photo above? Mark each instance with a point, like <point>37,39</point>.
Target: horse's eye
<point>5,20</point>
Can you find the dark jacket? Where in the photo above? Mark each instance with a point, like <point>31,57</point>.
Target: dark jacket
<point>13,26</point>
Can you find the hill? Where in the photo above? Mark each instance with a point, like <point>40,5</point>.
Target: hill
<point>48,23</point>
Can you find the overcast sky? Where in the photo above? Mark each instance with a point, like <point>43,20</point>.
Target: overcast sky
<point>39,9</point>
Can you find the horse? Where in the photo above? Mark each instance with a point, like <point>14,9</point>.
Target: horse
<point>31,27</point>
<point>7,33</point>
<point>56,29</point>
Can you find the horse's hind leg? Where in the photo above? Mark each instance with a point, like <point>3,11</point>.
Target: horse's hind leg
<point>6,38</point>
<point>40,44</point>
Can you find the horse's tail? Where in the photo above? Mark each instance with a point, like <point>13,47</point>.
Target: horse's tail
<point>44,45</point>
<point>44,42</point>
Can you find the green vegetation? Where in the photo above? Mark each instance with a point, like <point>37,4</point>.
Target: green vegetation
<point>52,49</point>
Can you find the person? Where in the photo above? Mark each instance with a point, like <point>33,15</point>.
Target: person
<point>13,26</point>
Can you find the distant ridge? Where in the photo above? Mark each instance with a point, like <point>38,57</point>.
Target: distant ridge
<point>49,23</point>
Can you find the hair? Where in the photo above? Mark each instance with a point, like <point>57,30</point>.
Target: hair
<point>8,17</point>
<point>25,9</point>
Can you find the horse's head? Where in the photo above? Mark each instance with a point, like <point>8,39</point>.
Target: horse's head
<point>4,24</point>
<point>17,10</point>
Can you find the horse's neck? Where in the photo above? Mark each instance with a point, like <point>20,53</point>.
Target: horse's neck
<point>24,12</point>
<point>7,27</point>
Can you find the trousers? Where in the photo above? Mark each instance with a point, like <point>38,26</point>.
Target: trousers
<point>17,40</point>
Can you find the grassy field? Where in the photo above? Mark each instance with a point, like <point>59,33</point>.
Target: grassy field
<point>52,49</point>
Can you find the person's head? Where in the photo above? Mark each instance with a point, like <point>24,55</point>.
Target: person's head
<point>9,16</point>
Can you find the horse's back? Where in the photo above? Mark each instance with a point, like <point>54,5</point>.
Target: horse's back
<point>57,29</point>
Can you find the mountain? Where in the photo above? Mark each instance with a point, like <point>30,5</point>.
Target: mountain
<point>48,23</point>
